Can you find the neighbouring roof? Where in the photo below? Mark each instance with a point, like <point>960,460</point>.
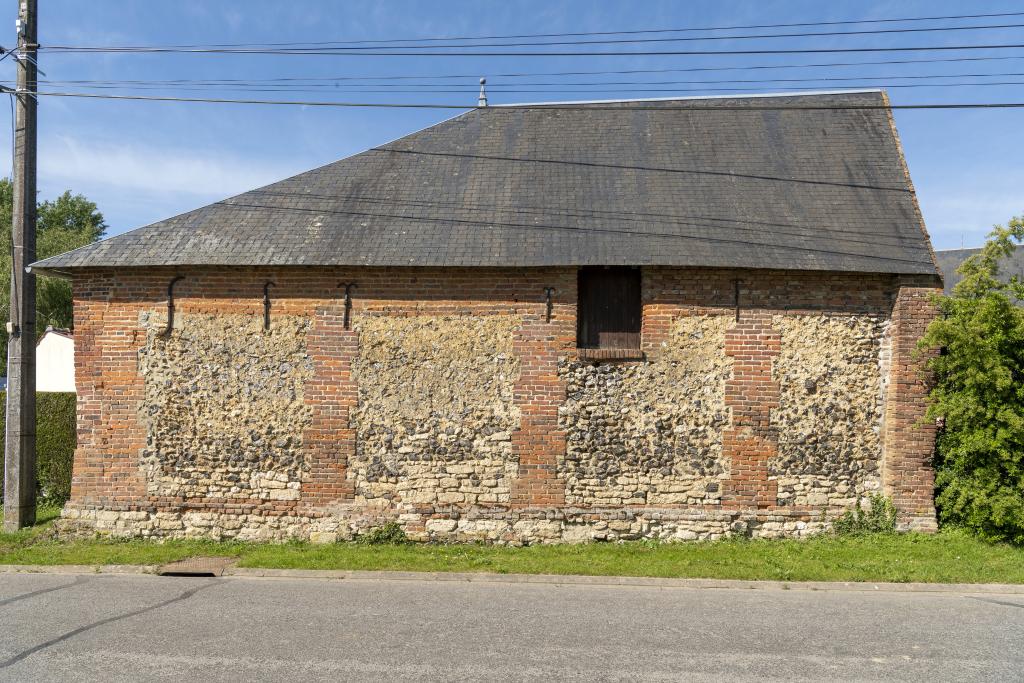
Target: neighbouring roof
<point>950,259</point>
<point>727,182</point>
<point>59,331</point>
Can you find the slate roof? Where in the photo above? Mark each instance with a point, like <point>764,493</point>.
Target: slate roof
<point>950,259</point>
<point>729,182</point>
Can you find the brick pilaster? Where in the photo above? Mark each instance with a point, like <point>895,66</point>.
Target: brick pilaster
<point>909,440</point>
<point>539,392</point>
<point>329,441</point>
<point>749,442</point>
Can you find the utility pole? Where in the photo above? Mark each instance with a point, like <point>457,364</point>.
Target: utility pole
<point>20,452</point>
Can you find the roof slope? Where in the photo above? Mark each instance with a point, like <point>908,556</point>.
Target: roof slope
<point>731,182</point>
<point>951,259</point>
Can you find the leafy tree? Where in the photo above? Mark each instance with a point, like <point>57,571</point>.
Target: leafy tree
<point>980,394</point>
<point>65,223</point>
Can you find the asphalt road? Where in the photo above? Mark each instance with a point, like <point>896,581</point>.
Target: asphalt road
<point>142,628</point>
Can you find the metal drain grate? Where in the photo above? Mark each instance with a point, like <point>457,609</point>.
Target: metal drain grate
<point>197,566</point>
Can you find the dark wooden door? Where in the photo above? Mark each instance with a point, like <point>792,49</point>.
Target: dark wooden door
<point>609,308</point>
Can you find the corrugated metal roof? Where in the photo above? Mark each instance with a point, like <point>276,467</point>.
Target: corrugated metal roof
<point>726,182</point>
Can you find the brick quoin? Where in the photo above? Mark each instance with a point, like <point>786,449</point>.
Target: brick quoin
<point>909,443</point>
<point>110,437</point>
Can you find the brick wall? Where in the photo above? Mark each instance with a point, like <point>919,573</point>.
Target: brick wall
<point>909,439</point>
<point>109,488</point>
<point>540,344</point>
<point>330,441</point>
<point>752,393</point>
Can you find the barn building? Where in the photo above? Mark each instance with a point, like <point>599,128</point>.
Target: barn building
<point>667,319</point>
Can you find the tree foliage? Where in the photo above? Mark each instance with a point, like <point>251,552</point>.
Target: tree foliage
<point>65,223</point>
<point>980,394</point>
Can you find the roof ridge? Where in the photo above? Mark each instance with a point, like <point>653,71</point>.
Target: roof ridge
<point>740,96</point>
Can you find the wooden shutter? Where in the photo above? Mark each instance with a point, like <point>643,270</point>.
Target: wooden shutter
<point>609,311</point>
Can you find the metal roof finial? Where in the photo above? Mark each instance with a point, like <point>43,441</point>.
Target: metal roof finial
<point>482,100</point>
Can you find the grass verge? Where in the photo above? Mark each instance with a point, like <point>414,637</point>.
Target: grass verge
<point>948,557</point>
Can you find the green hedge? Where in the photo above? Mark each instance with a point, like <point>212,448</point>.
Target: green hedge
<point>55,444</point>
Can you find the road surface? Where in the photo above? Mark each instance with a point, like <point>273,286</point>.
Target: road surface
<point>147,628</point>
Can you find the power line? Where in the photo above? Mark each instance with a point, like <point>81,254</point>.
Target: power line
<point>584,229</point>
<point>394,149</point>
<point>617,53</point>
<point>647,218</point>
<point>242,83</point>
<point>633,32</point>
<point>300,47</point>
<point>519,90</point>
<point>272,85</point>
<point>552,106</point>
<point>754,67</point>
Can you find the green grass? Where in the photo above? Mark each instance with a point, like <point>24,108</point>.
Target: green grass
<point>948,557</point>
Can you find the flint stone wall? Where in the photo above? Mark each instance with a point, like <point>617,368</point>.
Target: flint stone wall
<point>649,433</point>
<point>441,408</point>
<point>223,408</point>
<point>831,403</point>
<point>436,410</point>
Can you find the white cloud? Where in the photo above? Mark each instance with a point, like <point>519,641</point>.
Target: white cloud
<point>175,170</point>
<point>962,210</point>
<point>134,184</point>
<point>233,18</point>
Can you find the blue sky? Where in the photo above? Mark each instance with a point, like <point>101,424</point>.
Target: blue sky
<point>143,161</point>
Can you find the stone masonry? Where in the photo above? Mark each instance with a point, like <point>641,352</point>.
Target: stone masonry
<point>831,401</point>
<point>650,433</point>
<point>223,411</point>
<point>451,402</point>
<point>435,417</point>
